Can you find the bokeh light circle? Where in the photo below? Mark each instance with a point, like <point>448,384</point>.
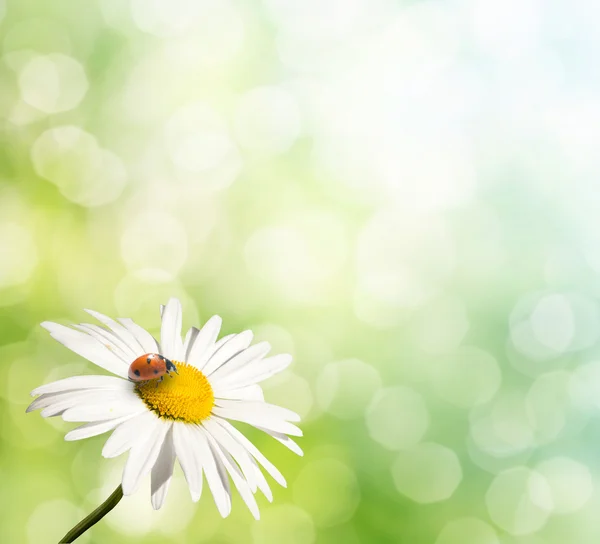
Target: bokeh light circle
<point>338,492</point>
<point>19,254</point>
<point>197,138</point>
<point>165,18</point>
<point>519,500</point>
<point>402,261</point>
<point>441,325</point>
<point>501,430</point>
<point>267,120</point>
<point>397,417</point>
<point>584,387</point>
<point>345,388</point>
<point>466,378</point>
<point>570,482</point>
<point>467,531</point>
<point>300,257</point>
<point>53,83</point>
<point>84,172</point>
<point>427,473</point>
<point>154,240</point>
<point>42,523</point>
<point>284,523</point>
<point>545,326</point>
<point>550,407</point>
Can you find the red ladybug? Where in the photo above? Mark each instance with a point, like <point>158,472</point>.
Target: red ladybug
<point>149,367</point>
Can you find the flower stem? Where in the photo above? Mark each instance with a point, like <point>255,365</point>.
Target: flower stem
<point>94,517</point>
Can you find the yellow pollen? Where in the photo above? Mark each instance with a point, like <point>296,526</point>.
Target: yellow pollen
<point>186,396</point>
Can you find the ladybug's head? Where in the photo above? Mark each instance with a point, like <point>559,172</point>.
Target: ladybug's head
<point>170,366</point>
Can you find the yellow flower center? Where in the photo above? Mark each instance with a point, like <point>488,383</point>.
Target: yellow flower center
<point>186,396</point>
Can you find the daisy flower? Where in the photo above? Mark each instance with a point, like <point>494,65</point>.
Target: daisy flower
<point>186,416</point>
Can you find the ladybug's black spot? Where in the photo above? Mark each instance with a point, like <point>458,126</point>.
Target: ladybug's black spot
<point>149,360</point>
<point>136,372</point>
<point>155,371</point>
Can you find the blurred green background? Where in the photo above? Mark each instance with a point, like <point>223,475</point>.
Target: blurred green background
<point>402,194</point>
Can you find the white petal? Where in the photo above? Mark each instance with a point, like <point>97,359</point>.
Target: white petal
<point>259,409</point>
<point>128,433</point>
<point>190,338</point>
<point>213,349</point>
<point>143,455</point>
<point>95,428</point>
<point>87,347</point>
<point>205,340</point>
<point>162,471</point>
<point>185,451</point>
<point>144,338</point>
<point>255,373</point>
<point>253,450</point>
<point>171,345</point>
<point>285,440</point>
<point>277,425</point>
<point>259,414</point>
<point>120,331</point>
<point>234,448</point>
<point>82,382</point>
<point>261,481</point>
<point>122,406</point>
<point>222,341</point>
<point>238,479</point>
<point>59,403</point>
<point>109,340</point>
<point>249,356</point>
<point>48,399</point>
<point>252,392</point>
<point>214,471</point>
<point>228,350</point>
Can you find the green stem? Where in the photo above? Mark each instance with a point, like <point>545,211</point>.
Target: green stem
<point>94,517</point>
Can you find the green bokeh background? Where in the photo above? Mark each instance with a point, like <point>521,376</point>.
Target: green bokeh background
<point>403,195</point>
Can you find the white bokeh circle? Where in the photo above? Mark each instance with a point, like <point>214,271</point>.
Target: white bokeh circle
<point>267,120</point>
<point>570,481</point>
<point>154,240</point>
<point>397,417</point>
<point>467,531</point>
<point>284,523</point>
<point>344,389</point>
<point>19,254</point>
<point>197,138</point>
<point>53,83</point>
<point>467,377</point>
<point>427,473</point>
<point>519,501</point>
<point>82,170</point>
<point>338,495</point>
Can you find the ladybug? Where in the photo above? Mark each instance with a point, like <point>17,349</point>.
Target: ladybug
<point>149,367</point>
